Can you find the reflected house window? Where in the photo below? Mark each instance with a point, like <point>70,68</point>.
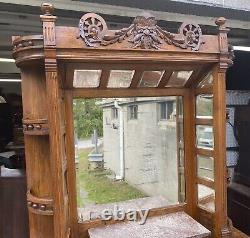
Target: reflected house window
<point>86,78</point>
<point>151,78</point>
<point>179,78</point>
<point>120,78</point>
<point>114,113</point>
<point>133,112</point>
<point>107,121</point>
<point>166,110</point>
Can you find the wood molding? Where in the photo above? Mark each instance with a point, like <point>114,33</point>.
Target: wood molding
<point>205,152</point>
<point>204,121</point>
<point>206,218</point>
<point>165,79</point>
<point>104,79</point>
<point>136,79</point>
<point>83,227</point>
<point>205,90</point>
<point>124,92</point>
<point>205,182</point>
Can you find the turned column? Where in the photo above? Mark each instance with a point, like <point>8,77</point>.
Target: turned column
<point>39,176</point>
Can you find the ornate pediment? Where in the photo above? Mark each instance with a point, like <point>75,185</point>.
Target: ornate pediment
<point>143,33</point>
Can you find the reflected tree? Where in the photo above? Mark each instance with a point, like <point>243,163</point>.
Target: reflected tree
<point>87,117</point>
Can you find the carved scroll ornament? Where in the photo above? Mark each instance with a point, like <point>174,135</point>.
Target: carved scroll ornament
<point>144,33</point>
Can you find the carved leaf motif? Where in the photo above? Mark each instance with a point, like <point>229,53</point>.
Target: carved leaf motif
<point>171,39</point>
<point>143,33</point>
<point>119,36</point>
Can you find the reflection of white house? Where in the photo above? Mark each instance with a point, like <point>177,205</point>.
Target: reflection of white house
<point>140,143</point>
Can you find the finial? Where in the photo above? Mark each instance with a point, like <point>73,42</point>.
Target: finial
<point>47,9</point>
<point>220,21</point>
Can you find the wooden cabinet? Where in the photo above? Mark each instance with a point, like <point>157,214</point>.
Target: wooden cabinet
<point>192,64</point>
<point>239,190</point>
<point>13,208</point>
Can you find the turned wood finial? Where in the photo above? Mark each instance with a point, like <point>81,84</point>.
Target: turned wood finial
<point>47,9</point>
<point>221,21</point>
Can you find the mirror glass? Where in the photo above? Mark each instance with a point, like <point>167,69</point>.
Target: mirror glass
<point>129,152</point>
<point>86,78</point>
<point>207,81</point>
<point>204,106</point>
<point>206,197</point>
<point>150,78</point>
<point>204,137</point>
<point>180,149</point>
<point>120,78</point>
<point>179,78</point>
<point>205,167</point>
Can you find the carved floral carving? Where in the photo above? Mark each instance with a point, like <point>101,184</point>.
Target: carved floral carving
<point>143,33</point>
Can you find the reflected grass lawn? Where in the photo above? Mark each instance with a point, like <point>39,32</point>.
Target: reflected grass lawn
<point>94,187</point>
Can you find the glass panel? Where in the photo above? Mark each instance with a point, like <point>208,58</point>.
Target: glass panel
<point>207,81</point>
<point>128,157</point>
<point>151,78</point>
<point>204,137</point>
<point>206,197</point>
<point>179,78</point>
<point>205,167</point>
<point>120,78</point>
<point>204,106</point>
<point>86,78</point>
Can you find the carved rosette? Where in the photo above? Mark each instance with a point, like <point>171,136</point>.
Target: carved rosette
<point>91,29</point>
<point>144,33</point>
<point>192,34</point>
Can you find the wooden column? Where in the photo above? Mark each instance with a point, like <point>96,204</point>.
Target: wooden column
<point>221,223</point>
<point>39,184</point>
<point>56,126</point>
<point>189,145</point>
<point>222,228</point>
<point>70,152</point>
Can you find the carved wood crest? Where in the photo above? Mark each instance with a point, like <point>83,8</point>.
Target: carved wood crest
<point>143,33</point>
